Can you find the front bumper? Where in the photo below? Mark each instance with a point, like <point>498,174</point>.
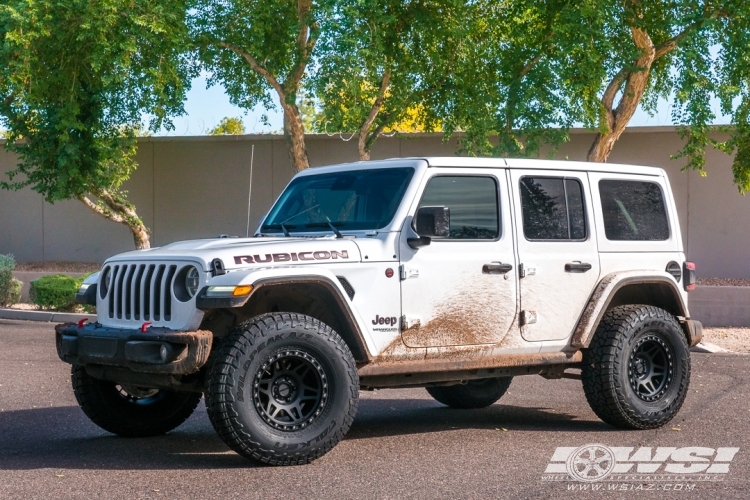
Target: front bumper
<point>158,350</point>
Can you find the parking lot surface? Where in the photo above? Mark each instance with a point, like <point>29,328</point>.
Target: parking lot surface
<point>402,444</point>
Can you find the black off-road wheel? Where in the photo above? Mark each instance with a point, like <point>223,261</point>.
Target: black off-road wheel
<point>474,394</point>
<point>131,411</point>
<point>283,389</point>
<point>636,372</point>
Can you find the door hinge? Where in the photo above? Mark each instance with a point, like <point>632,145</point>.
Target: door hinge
<point>524,271</point>
<point>410,322</point>
<point>407,272</point>
<point>527,318</point>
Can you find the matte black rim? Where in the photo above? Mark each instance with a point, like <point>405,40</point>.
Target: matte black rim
<point>650,368</point>
<point>290,390</point>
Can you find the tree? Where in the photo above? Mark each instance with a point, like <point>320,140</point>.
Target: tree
<point>76,78</point>
<point>552,64</point>
<point>229,126</point>
<point>378,59</point>
<point>254,47</point>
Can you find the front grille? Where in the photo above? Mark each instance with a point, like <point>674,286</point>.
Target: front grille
<point>141,292</point>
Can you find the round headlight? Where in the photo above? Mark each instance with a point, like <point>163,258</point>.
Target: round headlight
<point>192,281</point>
<point>106,281</point>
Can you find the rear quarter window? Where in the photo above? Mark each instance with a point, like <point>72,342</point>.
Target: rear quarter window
<point>633,211</point>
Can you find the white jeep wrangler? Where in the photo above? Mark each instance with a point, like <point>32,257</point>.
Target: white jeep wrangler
<point>453,274</point>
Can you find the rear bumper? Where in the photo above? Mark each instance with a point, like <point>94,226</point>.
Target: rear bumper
<point>159,350</point>
<point>694,331</point>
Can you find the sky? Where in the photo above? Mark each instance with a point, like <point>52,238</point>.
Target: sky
<point>205,107</point>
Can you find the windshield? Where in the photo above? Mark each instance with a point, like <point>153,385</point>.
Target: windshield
<point>354,200</point>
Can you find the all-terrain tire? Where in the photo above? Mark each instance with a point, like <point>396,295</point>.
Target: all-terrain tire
<point>636,371</point>
<point>283,389</point>
<point>474,394</point>
<point>136,414</point>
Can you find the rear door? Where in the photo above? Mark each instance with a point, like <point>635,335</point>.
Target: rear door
<point>461,290</point>
<point>557,250</point>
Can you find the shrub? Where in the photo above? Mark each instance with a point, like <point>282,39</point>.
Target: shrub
<point>57,291</point>
<point>10,288</point>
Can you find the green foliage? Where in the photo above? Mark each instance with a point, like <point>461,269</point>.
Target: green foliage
<point>10,288</point>
<point>267,31</point>
<point>530,70</point>
<point>76,79</point>
<point>398,51</point>
<point>258,47</point>
<point>57,291</point>
<point>229,126</point>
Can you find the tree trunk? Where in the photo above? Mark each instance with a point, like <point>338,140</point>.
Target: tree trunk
<point>367,138</point>
<point>141,238</point>
<point>634,82</point>
<point>294,133</point>
<point>115,208</point>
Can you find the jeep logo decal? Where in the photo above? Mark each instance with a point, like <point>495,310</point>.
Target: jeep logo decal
<point>384,321</point>
<point>290,257</point>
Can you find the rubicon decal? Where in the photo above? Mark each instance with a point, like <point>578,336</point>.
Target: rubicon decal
<point>291,257</point>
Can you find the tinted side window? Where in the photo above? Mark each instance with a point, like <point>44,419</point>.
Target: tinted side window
<point>552,208</point>
<point>633,211</point>
<point>472,202</point>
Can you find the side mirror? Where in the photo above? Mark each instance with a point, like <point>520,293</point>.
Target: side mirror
<point>430,222</point>
<point>433,222</point>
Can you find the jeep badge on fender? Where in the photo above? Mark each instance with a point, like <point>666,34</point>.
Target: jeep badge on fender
<point>485,269</point>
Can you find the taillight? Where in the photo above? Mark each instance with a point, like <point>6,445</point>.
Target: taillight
<point>688,270</point>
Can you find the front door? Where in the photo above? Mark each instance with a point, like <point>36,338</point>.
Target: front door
<point>556,248</point>
<point>461,290</point>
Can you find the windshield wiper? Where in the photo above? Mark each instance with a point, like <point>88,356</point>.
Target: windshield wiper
<point>281,226</point>
<point>328,224</point>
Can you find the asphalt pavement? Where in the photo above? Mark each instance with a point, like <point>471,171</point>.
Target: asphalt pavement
<point>402,444</point>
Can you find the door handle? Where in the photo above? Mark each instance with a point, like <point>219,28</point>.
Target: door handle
<point>496,268</point>
<point>577,266</point>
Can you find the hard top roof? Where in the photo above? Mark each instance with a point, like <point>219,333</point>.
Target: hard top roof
<point>468,162</point>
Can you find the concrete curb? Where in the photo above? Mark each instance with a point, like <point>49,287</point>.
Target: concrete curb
<point>50,316</point>
<point>708,347</point>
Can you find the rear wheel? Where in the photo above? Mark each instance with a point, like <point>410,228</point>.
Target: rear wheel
<point>474,394</point>
<point>131,411</point>
<point>283,389</point>
<point>636,371</point>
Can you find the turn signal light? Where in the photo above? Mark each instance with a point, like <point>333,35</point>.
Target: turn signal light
<point>242,290</point>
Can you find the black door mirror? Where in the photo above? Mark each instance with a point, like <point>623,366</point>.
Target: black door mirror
<point>430,222</point>
<point>433,222</point>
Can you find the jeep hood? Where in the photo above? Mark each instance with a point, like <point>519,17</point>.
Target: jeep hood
<point>251,252</point>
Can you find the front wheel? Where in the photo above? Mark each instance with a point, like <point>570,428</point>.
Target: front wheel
<point>283,389</point>
<point>636,371</point>
<point>131,411</point>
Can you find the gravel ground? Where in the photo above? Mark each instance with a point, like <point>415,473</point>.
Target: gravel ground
<point>723,282</point>
<point>61,267</point>
<point>733,339</point>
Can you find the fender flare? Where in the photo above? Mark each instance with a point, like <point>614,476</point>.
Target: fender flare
<point>335,289</point>
<point>607,289</point>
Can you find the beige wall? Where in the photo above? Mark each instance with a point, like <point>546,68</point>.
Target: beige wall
<point>196,187</point>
